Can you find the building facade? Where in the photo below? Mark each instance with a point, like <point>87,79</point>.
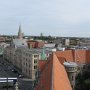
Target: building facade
<point>24,59</point>
<point>71,69</point>
<point>30,63</point>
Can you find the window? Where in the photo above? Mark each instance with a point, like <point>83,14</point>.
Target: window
<point>26,64</point>
<point>72,78</point>
<point>29,66</point>
<point>84,67</point>
<point>26,59</point>
<point>35,67</point>
<point>72,86</point>
<point>35,60</point>
<point>35,56</point>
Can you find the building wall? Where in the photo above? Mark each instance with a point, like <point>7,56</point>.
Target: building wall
<point>35,44</point>
<point>23,59</point>
<point>18,59</point>
<point>67,42</point>
<point>72,72</point>
<point>31,44</point>
<point>2,39</point>
<point>8,53</point>
<point>39,44</point>
<point>30,64</point>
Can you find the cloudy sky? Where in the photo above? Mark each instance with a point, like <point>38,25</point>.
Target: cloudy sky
<point>51,17</point>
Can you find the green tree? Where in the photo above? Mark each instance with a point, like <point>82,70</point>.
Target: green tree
<point>83,81</point>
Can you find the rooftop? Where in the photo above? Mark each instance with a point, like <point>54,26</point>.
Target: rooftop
<point>70,64</point>
<point>20,42</point>
<point>54,76</point>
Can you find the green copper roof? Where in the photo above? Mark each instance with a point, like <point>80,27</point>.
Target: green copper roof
<point>43,55</point>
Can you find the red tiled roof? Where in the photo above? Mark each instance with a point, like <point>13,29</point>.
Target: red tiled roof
<point>78,56</point>
<point>67,55</point>
<point>88,56</point>
<point>54,76</point>
<point>42,64</point>
<point>45,78</point>
<point>60,78</point>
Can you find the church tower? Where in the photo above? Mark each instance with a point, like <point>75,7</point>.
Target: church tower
<point>43,56</point>
<point>20,35</point>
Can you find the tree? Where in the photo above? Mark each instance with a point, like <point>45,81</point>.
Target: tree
<point>83,81</point>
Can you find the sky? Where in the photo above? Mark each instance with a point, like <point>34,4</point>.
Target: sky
<point>65,18</point>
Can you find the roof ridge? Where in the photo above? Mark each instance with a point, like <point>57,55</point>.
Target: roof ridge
<point>58,77</point>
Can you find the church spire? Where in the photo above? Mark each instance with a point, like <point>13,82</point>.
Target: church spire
<point>43,56</point>
<point>20,28</point>
<point>20,36</point>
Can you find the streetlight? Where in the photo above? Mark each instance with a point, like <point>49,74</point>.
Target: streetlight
<point>16,86</point>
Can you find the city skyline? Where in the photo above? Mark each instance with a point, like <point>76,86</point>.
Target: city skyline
<point>50,17</point>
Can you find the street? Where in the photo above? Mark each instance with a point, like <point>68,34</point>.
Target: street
<point>6,72</point>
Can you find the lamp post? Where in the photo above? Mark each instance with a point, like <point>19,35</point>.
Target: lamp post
<point>7,83</point>
<point>16,86</point>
